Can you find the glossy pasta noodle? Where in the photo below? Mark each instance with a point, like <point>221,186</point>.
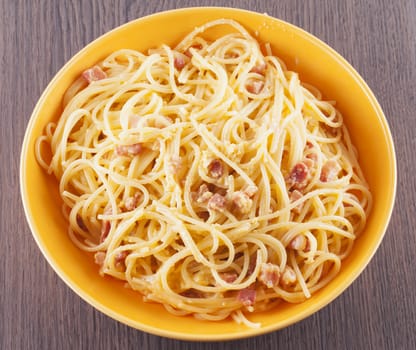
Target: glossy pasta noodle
<point>207,176</point>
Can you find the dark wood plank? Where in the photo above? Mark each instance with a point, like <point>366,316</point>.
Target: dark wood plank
<point>38,311</point>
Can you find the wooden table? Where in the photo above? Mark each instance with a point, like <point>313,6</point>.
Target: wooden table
<point>38,311</point>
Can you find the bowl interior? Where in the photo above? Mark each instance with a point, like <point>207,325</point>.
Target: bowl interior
<point>316,63</point>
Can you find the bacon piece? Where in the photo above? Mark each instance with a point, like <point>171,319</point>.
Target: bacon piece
<point>106,224</point>
<point>294,196</point>
<point>175,165</point>
<point>312,156</point>
<point>308,246</point>
<point>309,152</point>
<point>269,274</point>
<point>129,150</point>
<point>254,86</point>
<point>242,202</point>
<point>215,169</point>
<point>299,176</point>
<point>105,230</point>
<point>260,68</point>
<point>309,163</point>
<point>120,259</point>
<point>252,265</point>
<point>329,171</point>
<point>179,62</point>
<point>288,277</point>
<point>217,202</point>
<point>247,296</point>
<point>203,194</point>
<point>228,277</point>
<point>298,243</point>
<point>99,258</point>
<point>94,74</point>
<point>131,202</point>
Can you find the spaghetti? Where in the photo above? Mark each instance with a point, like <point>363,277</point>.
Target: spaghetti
<point>207,176</point>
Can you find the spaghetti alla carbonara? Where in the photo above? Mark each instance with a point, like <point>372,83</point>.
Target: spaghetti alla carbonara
<point>207,176</point>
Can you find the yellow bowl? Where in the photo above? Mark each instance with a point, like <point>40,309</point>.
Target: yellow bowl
<point>316,63</point>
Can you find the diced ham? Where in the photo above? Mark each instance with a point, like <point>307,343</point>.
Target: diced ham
<point>228,277</point>
<point>298,243</point>
<point>215,169</point>
<point>259,68</point>
<point>294,196</point>
<point>242,201</point>
<point>94,74</point>
<point>247,296</point>
<point>269,274</point>
<point>329,171</point>
<point>217,202</point>
<point>254,86</point>
<point>99,258</point>
<point>129,150</point>
<point>299,175</point>
<point>132,202</point>
<point>288,277</point>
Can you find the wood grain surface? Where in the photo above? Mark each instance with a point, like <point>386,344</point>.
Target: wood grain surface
<point>38,311</point>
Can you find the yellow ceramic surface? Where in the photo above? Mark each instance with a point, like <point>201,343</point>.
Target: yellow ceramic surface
<point>316,63</point>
